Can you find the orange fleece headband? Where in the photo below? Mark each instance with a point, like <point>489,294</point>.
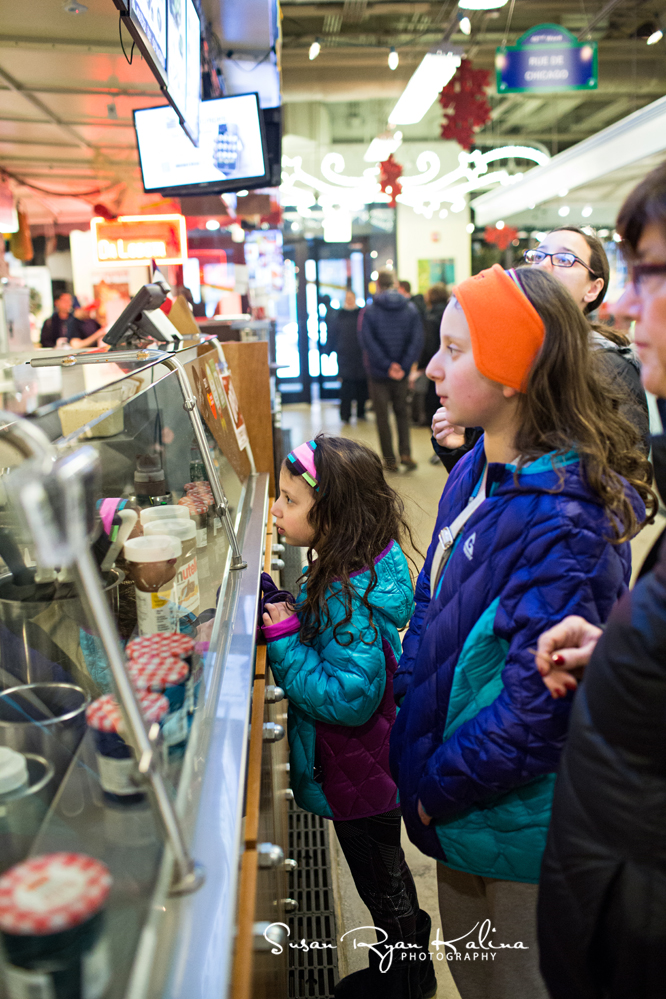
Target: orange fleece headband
<point>506,330</point>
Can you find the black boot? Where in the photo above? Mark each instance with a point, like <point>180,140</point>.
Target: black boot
<point>428,979</point>
<point>401,981</point>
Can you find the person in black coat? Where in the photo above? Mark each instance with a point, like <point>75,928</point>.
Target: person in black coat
<point>343,339</point>
<point>425,402</point>
<point>58,327</point>
<point>602,899</point>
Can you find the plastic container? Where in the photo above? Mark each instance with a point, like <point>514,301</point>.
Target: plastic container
<point>76,415</point>
<point>152,565</point>
<point>150,485</point>
<point>167,512</point>
<point>187,575</point>
<point>117,768</point>
<point>168,675</point>
<point>52,927</point>
<point>23,805</point>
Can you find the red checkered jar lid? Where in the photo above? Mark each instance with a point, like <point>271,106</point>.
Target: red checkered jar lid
<point>52,893</point>
<point>104,713</point>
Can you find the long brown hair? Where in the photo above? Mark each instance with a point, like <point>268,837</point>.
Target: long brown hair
<point>355,516</point>
<point>570,404</point>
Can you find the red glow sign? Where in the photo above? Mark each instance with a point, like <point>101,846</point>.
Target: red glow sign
<point>138,239</point>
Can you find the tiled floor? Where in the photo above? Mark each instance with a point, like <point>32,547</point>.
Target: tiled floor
<point>421,491</point>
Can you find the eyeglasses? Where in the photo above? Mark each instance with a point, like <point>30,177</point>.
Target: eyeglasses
<point>641,273</point>
<point>561,259</point>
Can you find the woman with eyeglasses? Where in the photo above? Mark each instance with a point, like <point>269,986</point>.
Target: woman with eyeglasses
<point>578,260</point>
<point>602,900</point>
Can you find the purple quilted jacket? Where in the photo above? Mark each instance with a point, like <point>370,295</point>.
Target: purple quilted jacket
<point>341,707</point>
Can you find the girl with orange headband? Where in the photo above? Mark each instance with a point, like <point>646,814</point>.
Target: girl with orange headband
<point>534,523</point>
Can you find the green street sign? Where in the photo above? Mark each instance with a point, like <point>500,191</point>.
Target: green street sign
<point>546,59</point>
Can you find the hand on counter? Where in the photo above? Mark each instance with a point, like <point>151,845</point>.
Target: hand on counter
<point>275,613</point>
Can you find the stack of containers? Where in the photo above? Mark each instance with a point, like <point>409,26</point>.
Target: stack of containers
<point>166,674</point>
<point>202,491</point>
<point>187,575</point>
<point>149,652</point>
<point>198,511</point>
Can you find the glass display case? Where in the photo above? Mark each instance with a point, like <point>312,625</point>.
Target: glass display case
<point>139,434</point>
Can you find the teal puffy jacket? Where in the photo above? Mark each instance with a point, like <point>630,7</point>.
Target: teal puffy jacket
<point>341,707</point>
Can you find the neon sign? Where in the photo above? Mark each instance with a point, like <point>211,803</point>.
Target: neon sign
<point>138,239</point>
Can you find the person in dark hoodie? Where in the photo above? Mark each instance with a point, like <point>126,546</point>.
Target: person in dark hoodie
<point>392,340</point>
<point>602,897</point>
<point>343,338</point>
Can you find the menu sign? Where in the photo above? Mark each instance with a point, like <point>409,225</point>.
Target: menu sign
<point>150,15</point>
<point>218,405</point>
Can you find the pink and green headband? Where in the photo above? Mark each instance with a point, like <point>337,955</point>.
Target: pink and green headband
<point>301,462</point>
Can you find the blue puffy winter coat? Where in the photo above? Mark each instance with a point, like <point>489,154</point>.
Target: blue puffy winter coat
<point>391,332</point>
<point>478,736</point>
<point>341,705</point>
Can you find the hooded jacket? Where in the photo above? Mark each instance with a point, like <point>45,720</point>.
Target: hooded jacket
<point>391,332</point>
<point>341,706</point>
<point>478,737</point>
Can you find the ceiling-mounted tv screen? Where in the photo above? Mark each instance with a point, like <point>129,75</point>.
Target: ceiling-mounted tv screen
<point>231,154</point>
<point>168,34</point>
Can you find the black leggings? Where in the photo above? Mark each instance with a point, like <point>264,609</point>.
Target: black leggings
<point>380,872</point>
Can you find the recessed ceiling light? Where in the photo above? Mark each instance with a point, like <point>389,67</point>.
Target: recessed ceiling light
<point>563,211</point>
<point>212,225</point>
<point>499,225</point>
<point>586,212</point>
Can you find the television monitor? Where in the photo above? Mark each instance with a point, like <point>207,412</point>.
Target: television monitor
<point>231,155</point>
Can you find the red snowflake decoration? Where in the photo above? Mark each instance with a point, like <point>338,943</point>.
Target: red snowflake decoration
<point>465,106</point>
<point>389,179</point>
<point>500,237</point>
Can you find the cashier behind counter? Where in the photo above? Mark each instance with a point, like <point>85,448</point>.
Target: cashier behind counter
<point>66,326</point>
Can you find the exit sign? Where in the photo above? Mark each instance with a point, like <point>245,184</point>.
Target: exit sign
<point>138,239</point>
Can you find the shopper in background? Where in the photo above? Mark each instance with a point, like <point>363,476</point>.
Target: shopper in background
<point>578,260</point>
<point>343,338</point>
<point>602,900</point>
<point>84,330</point>
<point>392,340</point>
<point>425,395</point>
<point>334,655</point>
<point>477,739</point>
<point>56,329</point>
<point>418,300</point>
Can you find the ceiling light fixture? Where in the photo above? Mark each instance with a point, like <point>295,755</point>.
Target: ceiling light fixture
<point>470,228</point>
<point>465,25</point>
<point>434,72</point>
<point>563,211</point>
<point>212,225</point>
<point>655,37</point>
<point>315,49</point>
<point>481,4</point>
<point>499,225</point>
<point>393,59</point>
<point>586,212</point>
<point>382,147</point>
<point>75,8</point>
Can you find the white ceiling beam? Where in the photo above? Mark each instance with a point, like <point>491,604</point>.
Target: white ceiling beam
<point>641,134</point>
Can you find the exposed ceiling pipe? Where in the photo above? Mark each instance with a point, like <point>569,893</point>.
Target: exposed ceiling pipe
<point>597,17</point>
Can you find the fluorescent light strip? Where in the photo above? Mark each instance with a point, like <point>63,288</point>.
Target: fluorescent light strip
<point>433,73</point>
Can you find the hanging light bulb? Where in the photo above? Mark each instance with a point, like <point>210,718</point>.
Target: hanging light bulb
<point>465,25</point>
<point>393,59</point>
<point>315,49</point>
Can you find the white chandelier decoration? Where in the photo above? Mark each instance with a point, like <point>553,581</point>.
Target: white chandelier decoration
<point>425,192</point>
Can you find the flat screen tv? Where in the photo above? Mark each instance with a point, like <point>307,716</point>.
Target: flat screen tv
<point>231,154</point>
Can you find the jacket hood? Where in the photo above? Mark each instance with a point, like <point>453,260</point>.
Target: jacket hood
<point>393,301</point>
<point>392,596</point>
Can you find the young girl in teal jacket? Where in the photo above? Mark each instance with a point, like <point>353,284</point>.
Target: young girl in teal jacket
<point>334,654</point>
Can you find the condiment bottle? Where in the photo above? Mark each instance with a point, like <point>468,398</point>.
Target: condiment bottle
<point>52,927</point>
<point>118,773</point>
<point>152,567</point>
<point>187,576</point>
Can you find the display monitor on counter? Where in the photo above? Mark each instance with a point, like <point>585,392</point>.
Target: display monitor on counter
<point>231,154</point>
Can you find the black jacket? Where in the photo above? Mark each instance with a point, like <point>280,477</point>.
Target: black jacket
<point>431,324</point>
<point>391,331</point>
<point>54,328</point>
<point>344,339</point>
<point>602,900</point>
